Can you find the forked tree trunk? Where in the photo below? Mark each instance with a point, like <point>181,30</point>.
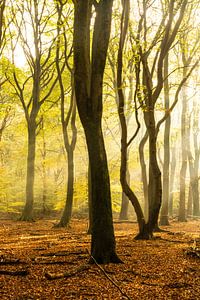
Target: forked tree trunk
<point>88,78</point>
<point>121,113</point>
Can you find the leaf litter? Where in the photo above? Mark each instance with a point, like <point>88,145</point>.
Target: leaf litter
<point>41,262</point>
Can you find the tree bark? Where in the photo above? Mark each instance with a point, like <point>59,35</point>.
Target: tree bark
<point>67,212</point>
<point>155,185</point>
<point>121,113</point>
<point>165,199</point>
<point>88,78</point>
<point>182,199</point>
<point>125,201</point>
<point>172,177</point>
<point>27,214</point>
<point>196,204</point>
<point>144,175</point>
<point>103,241</point>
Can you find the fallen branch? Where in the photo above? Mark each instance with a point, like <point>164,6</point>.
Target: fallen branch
<point>52,276</point>
<point>63,253</point>
<point>14,273</point>
<point>109,278</point>
<point>57,262</point>
<point>178,285</point>
<point>16,261</point>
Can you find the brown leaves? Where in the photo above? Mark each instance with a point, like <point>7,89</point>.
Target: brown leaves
<point>151,270</point>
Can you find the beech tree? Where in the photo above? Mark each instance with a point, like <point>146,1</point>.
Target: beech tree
<point>70,117</point>
<point>39,77</point>
<point>88,79</point>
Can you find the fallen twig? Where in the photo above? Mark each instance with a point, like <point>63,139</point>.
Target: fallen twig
<point>52,276</point>
<point>16,261</point>
<point>14,273</point>
<point>63,253</point>
<point>57,262</point>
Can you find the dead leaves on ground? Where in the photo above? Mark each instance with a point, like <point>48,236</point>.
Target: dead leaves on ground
<point>31,254</point>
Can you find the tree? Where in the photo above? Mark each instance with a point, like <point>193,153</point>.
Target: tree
<point>121,112</point>
<point>88,79</point>
<point>33,88</point>
<point>151,93</point>
<point>165,199</point>
<point>69,119</point>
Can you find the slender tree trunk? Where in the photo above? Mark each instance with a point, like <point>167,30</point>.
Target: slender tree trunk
<point>189,203</point>
<point>2,23</point>
<point>69,147</point>
<point>44,178</point>
<point>67,212</point>
<point>125,202</point>
<point>196,208</point>
<point>172,177</point>
<point>182,200</point>
<point>144,175</point>
<point>155,185</point>
<point>165,200</point>
<point>27,214</point>
<point>143,233</point>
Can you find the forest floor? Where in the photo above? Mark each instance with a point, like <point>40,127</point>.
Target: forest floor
<point>162,268</point>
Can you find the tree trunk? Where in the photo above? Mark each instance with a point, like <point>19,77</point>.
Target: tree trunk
<point>182,200</point>
<point>172,176</point>
<point>88,79</point>
<point>27,214</point>
<point>144,175</point>
<point>67,212</point>
<point>125,201</point>
<point>189,203</point>
<point>121,113</point>
<point>155,185</point>
<point>165,200</point>
<point>89,201</point>
<point>103,241</point>
<point>196,208</point>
